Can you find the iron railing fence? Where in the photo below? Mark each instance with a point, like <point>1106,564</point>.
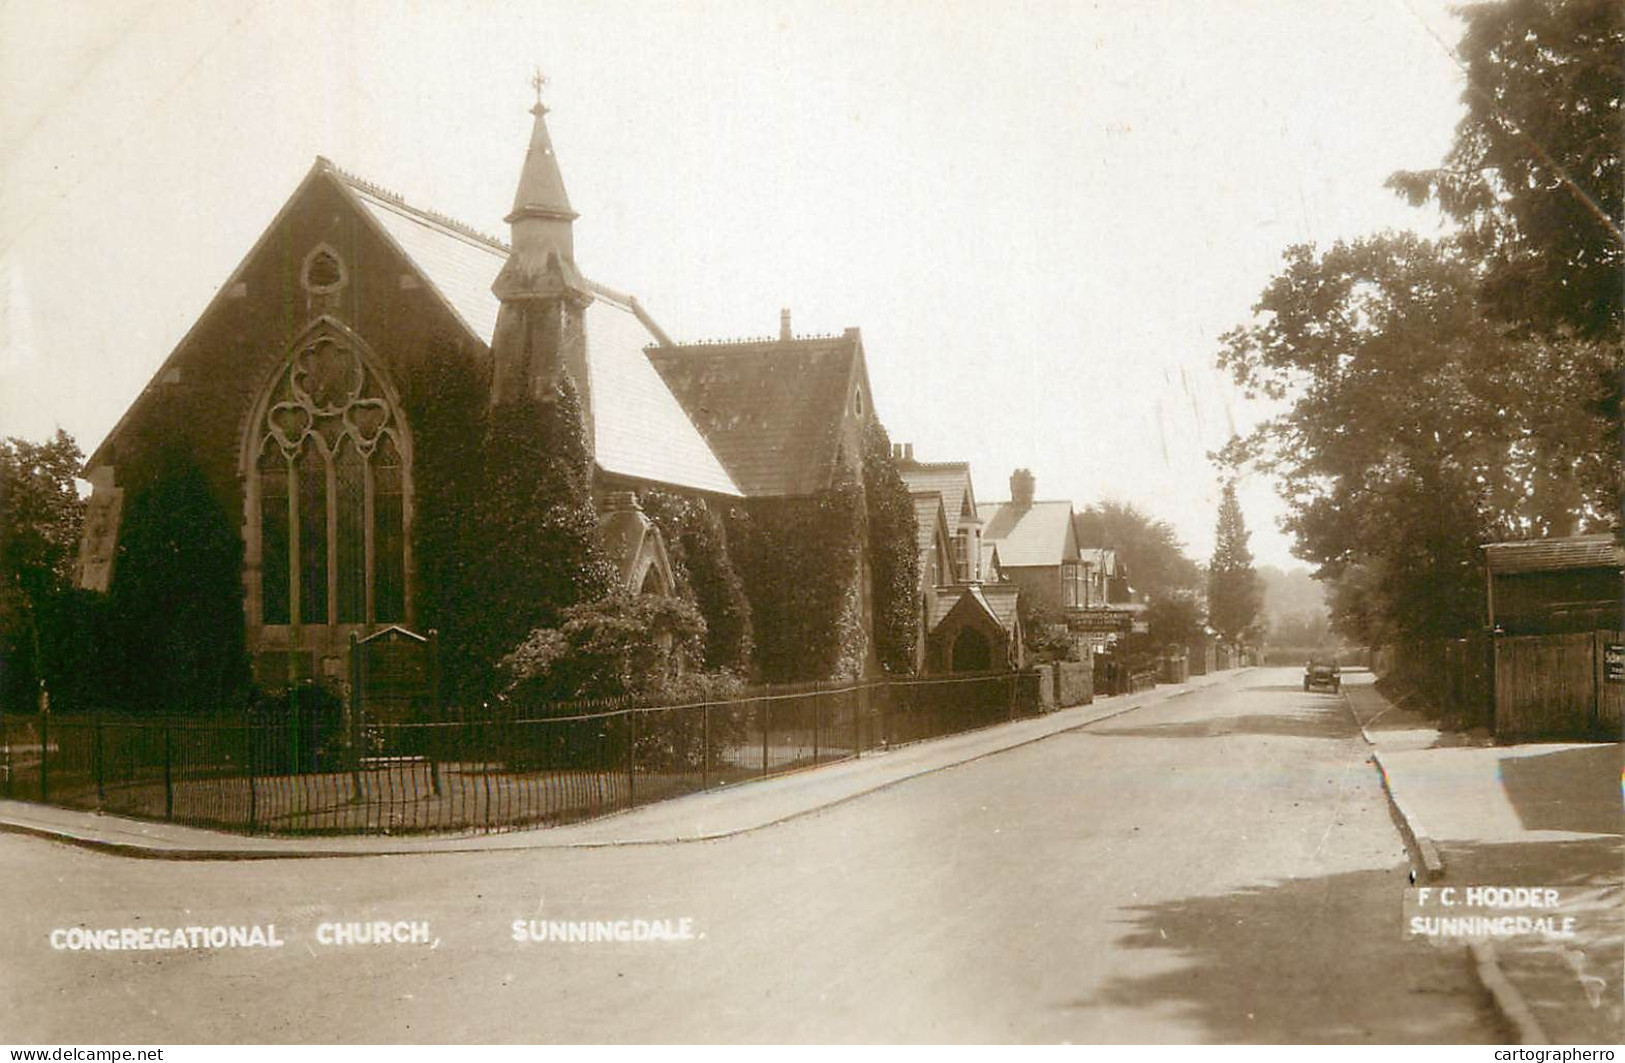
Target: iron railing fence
<point>311,773</point>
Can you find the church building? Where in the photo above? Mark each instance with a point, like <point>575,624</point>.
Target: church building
<point>292,390</point>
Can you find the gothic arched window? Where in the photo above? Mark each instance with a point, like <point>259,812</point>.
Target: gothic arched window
<point>330,491</point>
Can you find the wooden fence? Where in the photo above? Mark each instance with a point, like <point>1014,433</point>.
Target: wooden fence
<point>1556,687</point>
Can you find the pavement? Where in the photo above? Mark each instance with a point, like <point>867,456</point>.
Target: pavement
<point>717,813</point>
<point>1546,814</point>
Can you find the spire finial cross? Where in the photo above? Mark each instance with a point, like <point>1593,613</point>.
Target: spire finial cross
<point>538,81</point>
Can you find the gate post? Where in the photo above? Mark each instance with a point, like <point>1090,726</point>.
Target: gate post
<point>44,757</point>
<point>352,725</point>
<point>169,788</point>
<point>96,763</point>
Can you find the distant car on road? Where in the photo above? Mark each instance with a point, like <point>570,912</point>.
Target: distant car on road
<point>1322,673</point>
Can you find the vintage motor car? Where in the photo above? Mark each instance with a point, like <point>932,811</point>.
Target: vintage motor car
<point>1322,673</point>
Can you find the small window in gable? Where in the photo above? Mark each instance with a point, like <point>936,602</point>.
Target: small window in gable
<point>857,402</point>
<point>323,272</point>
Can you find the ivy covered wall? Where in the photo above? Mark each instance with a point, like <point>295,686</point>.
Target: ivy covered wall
<point>800,559</point>
<point>697,543</point>
<point>894,558</point>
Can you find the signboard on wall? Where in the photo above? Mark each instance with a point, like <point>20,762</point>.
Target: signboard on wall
<point>1613,662</point>
<point>1100,621</point>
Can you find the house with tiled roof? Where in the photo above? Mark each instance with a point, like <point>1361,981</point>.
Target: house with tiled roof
<point>1037,545</point>
<point>956,588</point>
<point>782,414</point>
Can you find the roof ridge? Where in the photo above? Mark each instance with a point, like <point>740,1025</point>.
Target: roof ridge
<point>756,341</point>
<point>395,199</point>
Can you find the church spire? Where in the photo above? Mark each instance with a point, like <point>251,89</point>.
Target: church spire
<point>540,332</point>
<point>540,222</point>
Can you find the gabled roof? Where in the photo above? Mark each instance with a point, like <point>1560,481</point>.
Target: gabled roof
<point>772,410</point>
<point>1037,536</point>
<point>639,429</point>
<point>951,479</point>
<point>998,601</point>
<point>1548,555</point>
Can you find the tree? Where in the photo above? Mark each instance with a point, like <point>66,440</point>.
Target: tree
<point>40,517</point>
<point>175,640</point>
<point>1534,176</point>
<point>1174,619</point>
<point>1415,427</point>
<point>533,537</point>
<point>1233,593</point>
<point>1148,548</point>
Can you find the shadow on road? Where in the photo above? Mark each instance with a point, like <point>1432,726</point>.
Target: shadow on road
<point>1575,987</point>
<point>1314,960</point>
<point>1292,725</point>
<point>1572,789</point>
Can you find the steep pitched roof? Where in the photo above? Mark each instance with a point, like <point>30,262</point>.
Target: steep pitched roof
<point>998,602</point>
<point>927,507</point>
<point>772,410</point>
<point>1001,598</point>
<point>639,429</point>
<point>1547,555</point>
<point>1041,535</point>
<point>991,561</point>
<point>951,479</point>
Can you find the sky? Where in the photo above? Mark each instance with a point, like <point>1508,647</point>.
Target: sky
<point>1042,216</point>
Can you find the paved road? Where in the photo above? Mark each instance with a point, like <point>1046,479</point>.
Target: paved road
<point>1220,867</point>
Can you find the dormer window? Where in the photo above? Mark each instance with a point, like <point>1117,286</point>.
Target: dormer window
<point>323,271</point>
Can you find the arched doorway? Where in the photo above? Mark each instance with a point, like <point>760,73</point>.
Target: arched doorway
<point>971,652</point>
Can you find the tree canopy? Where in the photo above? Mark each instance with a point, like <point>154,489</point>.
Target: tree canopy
<point>1416,428</point>
<point>1148,548</point>
<point>40,515</point>
<point>1534,176</point>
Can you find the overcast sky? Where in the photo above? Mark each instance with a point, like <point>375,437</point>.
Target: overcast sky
<point>1041,215</point>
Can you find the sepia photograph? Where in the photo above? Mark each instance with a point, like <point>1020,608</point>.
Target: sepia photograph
<point>910,522</point>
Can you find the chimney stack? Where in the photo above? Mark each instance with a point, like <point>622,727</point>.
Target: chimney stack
<point>908,451</point>
<point>784,325</point>
<point>1021,488</point>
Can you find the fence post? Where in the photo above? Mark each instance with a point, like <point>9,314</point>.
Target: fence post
<point>886,698</point>
<point>434,708</point>
<point>169,787</point>
<point>45,757</point>
<point>818,707</point>
<point>632,757</point>
<point>251,749</point>
<point>767,712</point>
<point>96,763</point>
<point>705,747</point>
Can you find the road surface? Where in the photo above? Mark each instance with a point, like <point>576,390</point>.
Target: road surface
<point>1218,867</point>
